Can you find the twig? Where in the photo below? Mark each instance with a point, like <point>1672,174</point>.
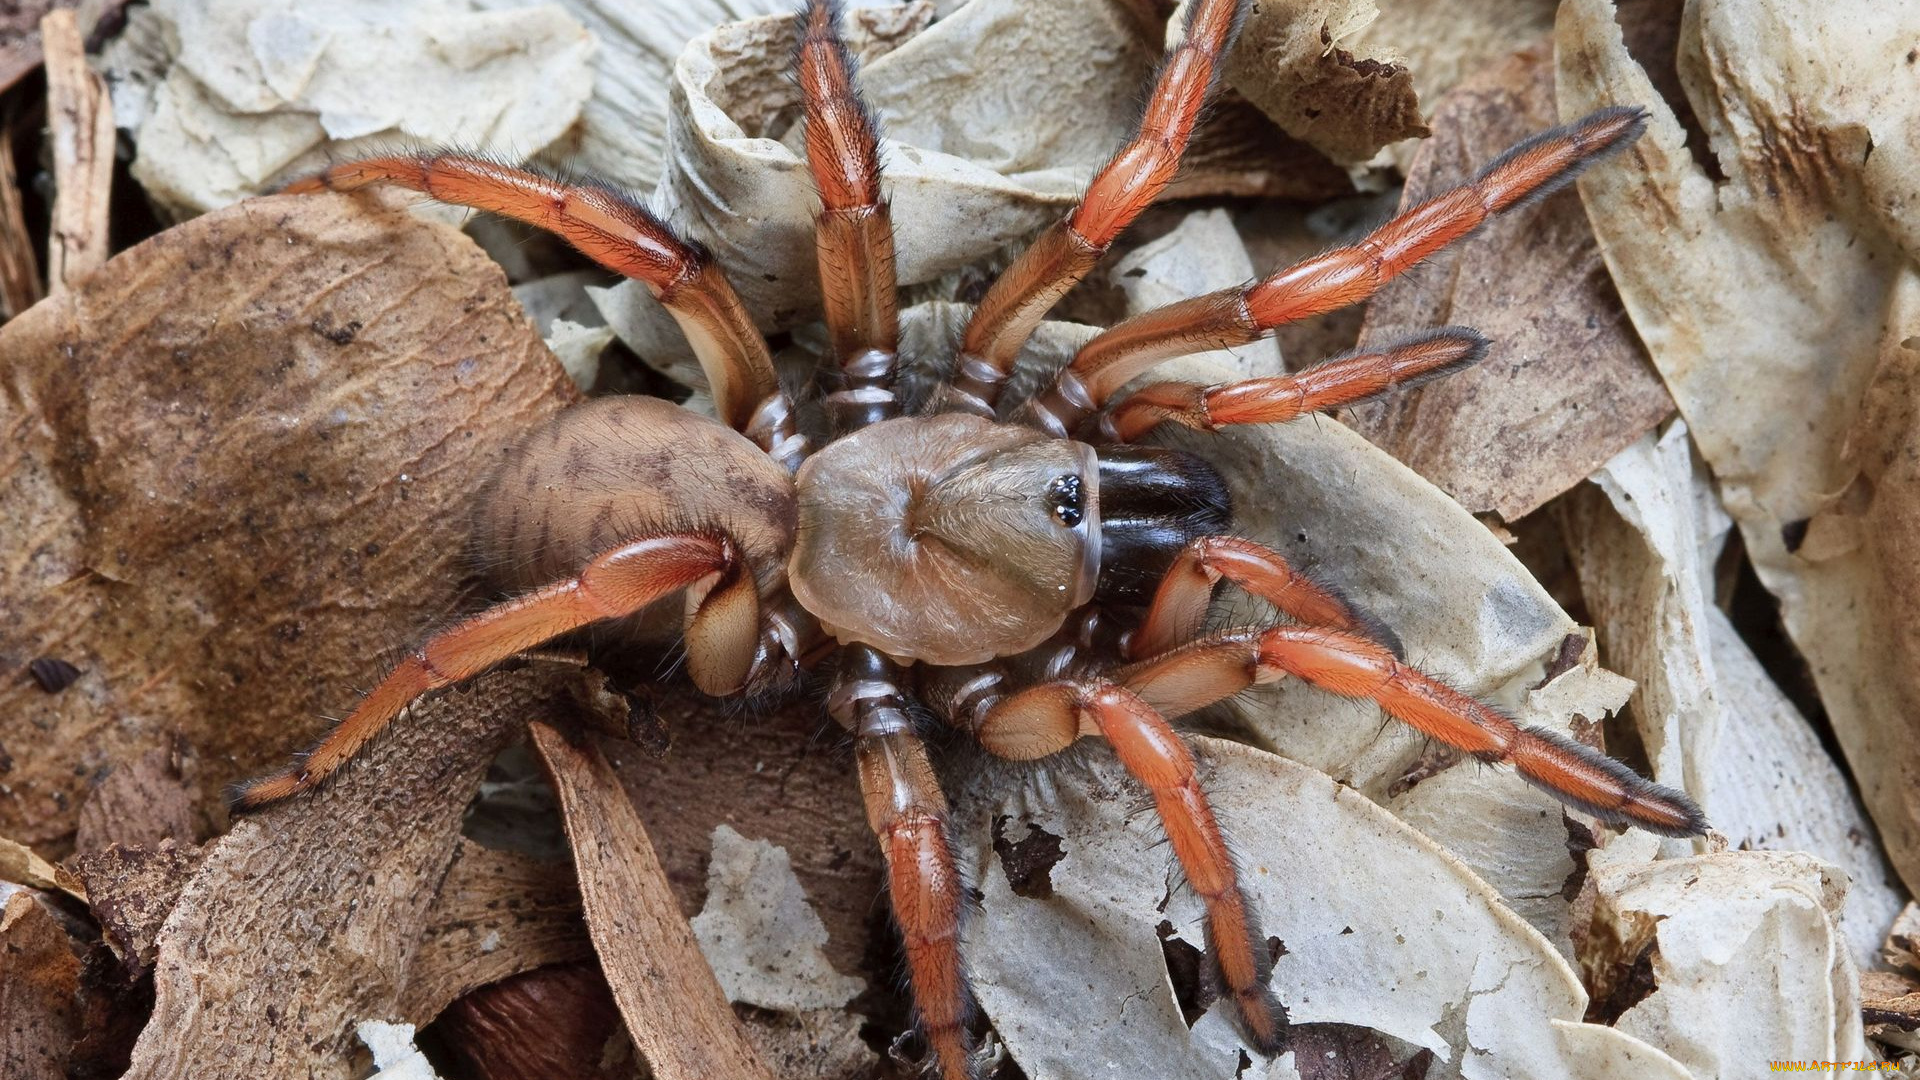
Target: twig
<point>80,123</point>
<point>19,270</point>
<point>675,1011</point>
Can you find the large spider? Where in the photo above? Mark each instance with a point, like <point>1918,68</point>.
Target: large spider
<point>1031,575</point>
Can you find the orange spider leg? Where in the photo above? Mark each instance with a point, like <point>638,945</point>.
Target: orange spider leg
<point>1217,666</point>
<point>624,237</point>
<point>854,226</point>
<point>1046,718</point>
<point>1336,383</point>
<point>1343,276</point>
<point>908,813</point>
<point>619,582</point>
<point>1179,608</point>
<point>1120,191</point>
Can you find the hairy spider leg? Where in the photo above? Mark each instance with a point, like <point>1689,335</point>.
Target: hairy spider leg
<point>1046,718</point>
<point>1347,379</point>
<point>1220,665</point>
<point>617,583</point>
<point>621,235</point>
<point>1335,279</point>
<point>1123,188</point>
<point>908,813</point>
<point>1178,613</point>
<point>854,228</point>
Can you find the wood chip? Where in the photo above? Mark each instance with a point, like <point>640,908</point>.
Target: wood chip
<point>131,891</point>
<point>80,130</point>
<point>674,1009</point>
<point>1566,384</point>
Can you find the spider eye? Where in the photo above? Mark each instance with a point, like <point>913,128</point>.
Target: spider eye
<point>1063,498</point>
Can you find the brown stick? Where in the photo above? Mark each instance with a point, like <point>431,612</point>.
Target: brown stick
<point>674,1008</point>
<point>19,270</point>
<point>80,123</point>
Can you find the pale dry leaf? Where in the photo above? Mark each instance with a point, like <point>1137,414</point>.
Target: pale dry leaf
<point>240,460</point>
<point>21,865</point>
<point>224,98</point>
<point>1748,937</point>
<point>1644,538</point>
<point>1564,385</point>
<point>1445,44</point>
<point>973,162</point>
<point>759,933</point>
<point>1633,539</point>
<point>1302,63</point>
<point>1370,917</point>
<point>1767,300</point>
<point>39,992</point>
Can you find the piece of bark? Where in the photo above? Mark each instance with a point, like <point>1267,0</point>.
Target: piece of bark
<point>498,914</point>
<point>673,1006</point>
<point>19,269</point>
<point>239,461</point>
<point>141,803</point>
<point>131,891</point>
<point>1565,384</point>
<point>307,918</point>
<point>39,978</point>
<point>80,132</point>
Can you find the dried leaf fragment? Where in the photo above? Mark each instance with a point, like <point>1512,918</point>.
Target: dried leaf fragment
<point>39,981</point>
<point>759,933</point>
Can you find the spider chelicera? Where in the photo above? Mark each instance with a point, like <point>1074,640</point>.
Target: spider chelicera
<point>1031,574</point>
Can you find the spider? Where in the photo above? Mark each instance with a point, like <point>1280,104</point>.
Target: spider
<point>1031,573</point>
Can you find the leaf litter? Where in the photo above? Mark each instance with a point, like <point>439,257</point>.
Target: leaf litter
<point>1371,857</point>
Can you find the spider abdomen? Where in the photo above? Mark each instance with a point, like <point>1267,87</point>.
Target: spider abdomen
<point>616,469</point>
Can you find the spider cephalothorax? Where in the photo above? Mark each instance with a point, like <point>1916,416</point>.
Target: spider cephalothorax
<point>1027,573</point>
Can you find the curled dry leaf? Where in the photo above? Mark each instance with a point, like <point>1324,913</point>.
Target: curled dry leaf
<point>1644,538</point>
<point>240,458</point>
<point>1367,918</point>
<point>225,97</point>
<point>1565,385</point>
<point>1727,961</point>
<point>1767,300</point>
<point>1299,61</point>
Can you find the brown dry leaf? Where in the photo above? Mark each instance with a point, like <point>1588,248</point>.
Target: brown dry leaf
<point>1768,300</point>
<point>238,462</point>
<point>673,1006</point>
<point>39,984</point>
<point>1297,60</point>
<point>21,865</point>
<point>1565,385</point>
<point>141,803</point>
<point>496,914</point>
